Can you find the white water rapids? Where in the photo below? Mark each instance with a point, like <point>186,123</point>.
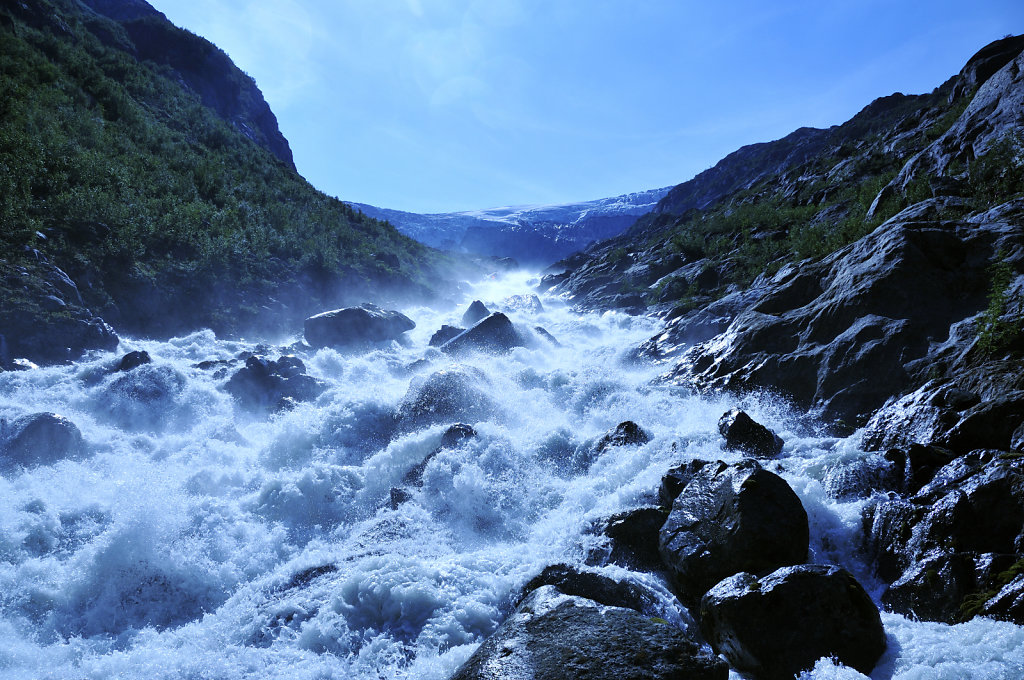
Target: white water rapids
<point>171,549</point>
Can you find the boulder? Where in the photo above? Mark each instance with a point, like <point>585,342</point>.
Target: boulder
<point>366,323</point>
<point>778,625</point>
<point>133,360</point>
<point>457,393</point>
<point>626,433</point>
<point>444,334</point>
<point>742,433</point>
<point>596,587</point>
<point>494,334</point>
<point>728,519</point>
<point>552,636</point>
<point>476,312</point>
<point>266,384</point>
<point>676,479</point>
<point>39,439</point>
<point>529,304</point>
<point>543,332</point>
<point>633,537</point>
<point>862,477</point>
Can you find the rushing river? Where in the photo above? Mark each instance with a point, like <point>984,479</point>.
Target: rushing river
<point>198,540</point>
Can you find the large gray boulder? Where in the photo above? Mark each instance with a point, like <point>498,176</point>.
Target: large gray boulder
<point>456,393</point>
<point>553,636</point>
<point>38,439</point>
<point>728,519</point>
<point>778,625</point>
<point>494,334</point>
<point>356,325</point>
<point>273,384</point>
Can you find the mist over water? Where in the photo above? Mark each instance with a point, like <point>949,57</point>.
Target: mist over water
<point>194,539</point>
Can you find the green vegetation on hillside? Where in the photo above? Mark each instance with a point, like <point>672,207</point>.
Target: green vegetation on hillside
<point>167,216</point>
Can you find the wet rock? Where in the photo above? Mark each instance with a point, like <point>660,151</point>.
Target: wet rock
<point>398,496</point>
<point>888,526</point>
<point>728,519</point>
<point>1008,603</point>
<point>133,360</point>
<point>634,537</point>
<point>459,393</point>
<point>861,478</point>
<point>593,586</point>
<point>626,433</point>
<point>494,334</point>
<point>476,312</point>
<point>529,304</point>
<point>742,433</point>
<point>1017,440</point>
<point>366,323</point>
<point>988,425</point>
<point>934,588</point>
<point>444,334</point>
<point>39,439</point>
<point>453,436</point>
<point>676,479</point>
<point>542,332</point>
<point>266,384</point>
<point>551,636</point>
<point>775,626</point>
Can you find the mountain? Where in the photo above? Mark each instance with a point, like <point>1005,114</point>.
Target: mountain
<point>533,235</point>
<point>145,183</point>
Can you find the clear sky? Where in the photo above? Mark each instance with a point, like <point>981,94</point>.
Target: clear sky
<point>445,105</point>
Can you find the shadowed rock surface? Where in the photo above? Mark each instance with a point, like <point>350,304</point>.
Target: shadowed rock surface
<point>355,325</point>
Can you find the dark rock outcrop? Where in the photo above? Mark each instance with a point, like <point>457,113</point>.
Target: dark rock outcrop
<point>38,439</point>
<point>266,384</point>
<point>728,519</point>
<point>626,433</point>
<point>43,318</point>
<point>596,587</point>
<point>494,334</point>
<point>632,539</point>
<point>457,393</point>
<point>775,626</point>
<point>676,479</point>
<point>133,360</point>
<point>743,433</point>
<point>477,311</point>
<point>366,323</point>
<point>444,334</point>
<point>552,636</point>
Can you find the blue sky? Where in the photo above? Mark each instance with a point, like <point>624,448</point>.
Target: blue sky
<point>444,105</point>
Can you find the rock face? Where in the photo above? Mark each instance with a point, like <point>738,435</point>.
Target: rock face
<point>39,439</point>
<point>477,311</point>
<point>43,318</point>
<point>495,334</point>
<point>266,384</point>
<point>728,519</point>
<point>778,625</point>
<point>552,636</point>
<point>956,543</point>
<point>742,433</point>
<point>356,325</point>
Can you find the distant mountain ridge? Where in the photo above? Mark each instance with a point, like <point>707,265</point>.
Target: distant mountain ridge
<point>533,235</point>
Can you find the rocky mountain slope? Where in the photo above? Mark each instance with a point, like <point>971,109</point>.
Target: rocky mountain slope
<point>145,183</point>
<point>533,235</point>
<point>872,273</point>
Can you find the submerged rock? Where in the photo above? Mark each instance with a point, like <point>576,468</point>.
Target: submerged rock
<point>476,312</point>
<point>597,587</point>
<point>39,439</point>
<point>551,636</point>
<point>356,325</point>
<point>728,519</point>
<point>266,384</point>
<point>458,393</point>
<point>494,334</point>
<point>133,360</point>
<point>743,433</point>
<point>626,433</point>
<point>778,625</point>
<point>453,436</point>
